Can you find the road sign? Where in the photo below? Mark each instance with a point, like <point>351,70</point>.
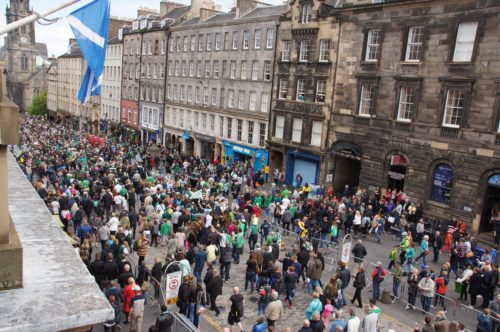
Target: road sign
<point>346,249</point>
<point>172,284</point>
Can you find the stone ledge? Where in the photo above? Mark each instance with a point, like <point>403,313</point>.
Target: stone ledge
<point>11,255</point>
<point>58,292</point>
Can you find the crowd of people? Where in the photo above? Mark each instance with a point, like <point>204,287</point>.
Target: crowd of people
<point>117,201</point>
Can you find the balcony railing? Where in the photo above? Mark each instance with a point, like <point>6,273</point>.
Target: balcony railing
<point>452,133</point>
<point>403,126</point>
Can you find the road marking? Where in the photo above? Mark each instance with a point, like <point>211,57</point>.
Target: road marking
<point>212,322</point>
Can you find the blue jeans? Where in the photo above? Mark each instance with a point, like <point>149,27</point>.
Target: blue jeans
<point>261,308</point>
<point>426,303</point>
<point>236,255</point>
<point>342,301</point>
<point>250,277</point>
<point>408,266</point>
<point>323,243</point>
<point>312,284</point>
<point>191,312</point>
<point>333,239</point>
<point>395,287</point>
<point>197,272</point>
<point>290,295</point>
<point>376,290</point>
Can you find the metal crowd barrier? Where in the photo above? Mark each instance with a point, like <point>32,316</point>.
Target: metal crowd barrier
<point>455,311</point>
<point>183,324</point>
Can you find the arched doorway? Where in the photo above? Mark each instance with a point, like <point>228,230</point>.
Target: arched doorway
<point>396,172</point>
<point>491,203</point>
<point>346,165</point>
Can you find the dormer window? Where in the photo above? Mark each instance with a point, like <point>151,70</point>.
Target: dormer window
<point>305,13</point>
<point>135,25</point>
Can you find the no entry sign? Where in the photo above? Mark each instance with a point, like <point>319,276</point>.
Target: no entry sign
<point>173,282</point>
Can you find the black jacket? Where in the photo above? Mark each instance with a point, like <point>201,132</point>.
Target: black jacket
<point>475,283</point>
<point>303,257</point>
<point>214,286</point>
<point>359,280</point>
<point>111,270</point>
<point>359,252</point>
<point>345,276</point>
<point>164,322</point>
<point>183,297</point>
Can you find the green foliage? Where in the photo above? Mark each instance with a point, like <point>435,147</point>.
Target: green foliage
<point>39,104</point>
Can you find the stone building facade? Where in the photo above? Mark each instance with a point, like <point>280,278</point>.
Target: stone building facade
<point>52,90</point>
<point>111,86</point>
<point>417,102</point>
<point>302,91</point>
<point>25,59</point>
<point>71,68</point>
<point>130,78</point>
<point>219,77</point>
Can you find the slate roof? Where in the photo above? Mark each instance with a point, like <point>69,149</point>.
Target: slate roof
<point>223,17</point>
<point>266,11</point>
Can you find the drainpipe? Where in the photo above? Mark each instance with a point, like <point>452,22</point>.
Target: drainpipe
<point>334,83</point>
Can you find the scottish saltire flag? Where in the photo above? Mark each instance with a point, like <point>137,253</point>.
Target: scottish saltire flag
<point>90,25</point>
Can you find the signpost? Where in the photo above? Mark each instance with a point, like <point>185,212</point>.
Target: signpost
<point>346,249</point>
<point>172,284</point>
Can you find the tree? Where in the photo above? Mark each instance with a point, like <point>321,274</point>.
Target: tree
<point>39,104</point>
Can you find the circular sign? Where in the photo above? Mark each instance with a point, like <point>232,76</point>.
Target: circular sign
<point>173,284</point>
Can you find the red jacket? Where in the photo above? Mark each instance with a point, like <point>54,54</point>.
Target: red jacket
<point>374,273</point>
<point>441,287</point>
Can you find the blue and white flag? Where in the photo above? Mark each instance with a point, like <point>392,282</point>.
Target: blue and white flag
<point>90,25</point>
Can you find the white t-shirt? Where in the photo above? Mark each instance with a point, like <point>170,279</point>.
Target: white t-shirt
<point>55,207</point>
<point>208,220</point>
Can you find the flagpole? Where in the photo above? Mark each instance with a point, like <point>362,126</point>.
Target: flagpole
<point>35,16</point>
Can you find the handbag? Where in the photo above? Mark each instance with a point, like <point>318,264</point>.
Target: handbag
<point>145,286</point>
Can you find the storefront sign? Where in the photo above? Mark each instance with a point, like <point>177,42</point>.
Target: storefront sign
<point>396,176</point>
<point>243,150</point>
<point>346,149</point>
<point>467,209</point>
<point>173,283</point>
<point>441,186</point>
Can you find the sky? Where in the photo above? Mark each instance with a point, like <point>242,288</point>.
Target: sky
<point>57,34</point>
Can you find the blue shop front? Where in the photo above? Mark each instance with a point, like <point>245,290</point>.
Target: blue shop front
<point>305,163</point>
<point>235,152</point>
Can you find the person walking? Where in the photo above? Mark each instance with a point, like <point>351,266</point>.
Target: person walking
<point>354,322</point>
<point>214,289</point>
<point>314,306</point>
<point>437,245</point>
<point>290,280</point>
<point>274,311</point>
<point>251,272</point>
<point>236,311</point>
<point>345,276</point>
<point>424,249</point>
<point>359,252</point>
<point>136,314</point>
<point>359,283</point>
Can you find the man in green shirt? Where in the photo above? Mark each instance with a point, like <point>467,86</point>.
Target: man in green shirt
<point>254,233</point>
<point>165,231</point>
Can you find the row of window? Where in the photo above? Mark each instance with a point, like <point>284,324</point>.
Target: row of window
<point>407,101</point>
<point>114,51</point>
<point>304,50</point>
<point>301,89</point>
<point>224,127</point>
<point>152,94</point>
<point>149,70</point>
<point>413,51</point>
<point>212,69</point>
<point>297,127</point>
<point>112,73</point>
<point>150,117</point>
<point>110,112</point>
<point>217,97</point>
<point>223,41</point>
<point>110,92</point>
<point>149,47</point>
<point>130,116</point>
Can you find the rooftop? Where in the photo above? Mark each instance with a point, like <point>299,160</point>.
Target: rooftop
<point>58,292</point>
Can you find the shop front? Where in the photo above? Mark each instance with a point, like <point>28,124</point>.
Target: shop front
<point>257,158</point>
<point>304,163</point>
<point>206,148</point>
